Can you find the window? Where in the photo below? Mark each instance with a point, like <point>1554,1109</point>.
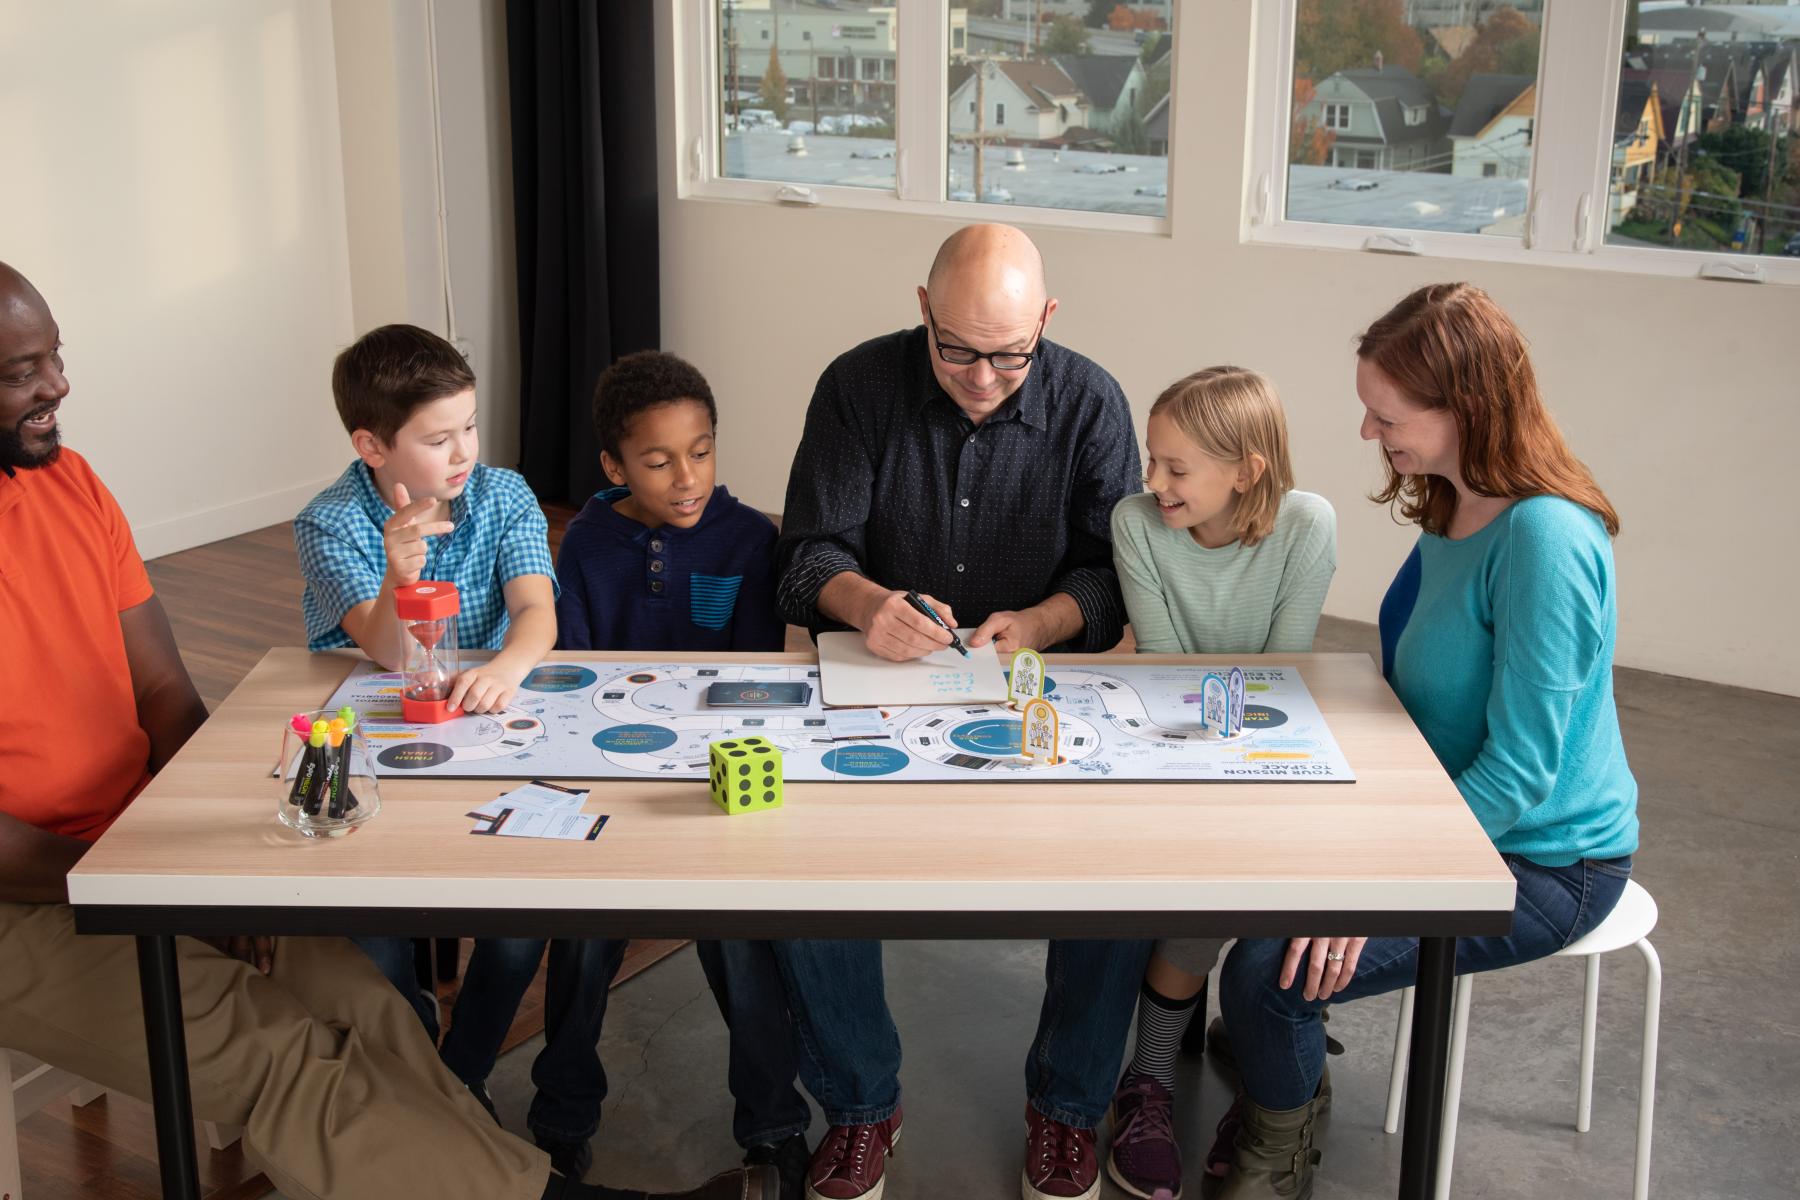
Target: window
<point>825,109</point>
<point>1416,128</point>
<point>1085,127</point>
<point>793,106</point>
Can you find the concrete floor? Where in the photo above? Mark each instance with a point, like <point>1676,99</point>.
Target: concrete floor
<point>1721,844</point>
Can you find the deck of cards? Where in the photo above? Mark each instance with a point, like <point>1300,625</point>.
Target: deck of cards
<point>538,810</point>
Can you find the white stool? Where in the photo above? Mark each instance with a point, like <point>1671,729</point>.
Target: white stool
<point>26,1085</point>
<point>1629,924</point>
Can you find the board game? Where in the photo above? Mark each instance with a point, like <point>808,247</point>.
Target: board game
<point>1129,722</point>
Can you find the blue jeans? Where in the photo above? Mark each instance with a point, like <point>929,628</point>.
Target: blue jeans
<point>763,1063</point>
<point>850,1050</point>
<point>567,1074</point>
<point>1276,1034</point>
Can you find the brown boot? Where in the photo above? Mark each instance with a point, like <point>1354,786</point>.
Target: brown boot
<point>1273,1157</point>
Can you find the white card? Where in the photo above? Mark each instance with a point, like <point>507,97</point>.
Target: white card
<point>855,723</point>
<point>537,796</point>
<point>540,823</point>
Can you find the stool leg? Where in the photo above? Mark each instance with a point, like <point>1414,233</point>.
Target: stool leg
<point>1397,1073</point>
<point>1590,1016</point>
<point>1640,1179</point>
<point>10,1183</point>
<point>1459,1043</point>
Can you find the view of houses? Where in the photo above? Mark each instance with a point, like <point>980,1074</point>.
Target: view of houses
<point>1411,114</point>
<point>1704,148</point>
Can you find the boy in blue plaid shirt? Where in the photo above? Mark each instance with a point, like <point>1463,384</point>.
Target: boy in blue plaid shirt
<point>416,504</point>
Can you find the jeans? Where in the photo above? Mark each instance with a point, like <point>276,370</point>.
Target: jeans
<point>746,981</point>
<point>1276,1034</point>
<point>567,1074</point>
<point>850,1050</point>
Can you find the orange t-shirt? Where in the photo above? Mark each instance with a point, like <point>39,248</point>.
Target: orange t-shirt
<point>71,753</point>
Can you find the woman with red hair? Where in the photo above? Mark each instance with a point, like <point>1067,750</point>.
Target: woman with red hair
<point>1497,636</point>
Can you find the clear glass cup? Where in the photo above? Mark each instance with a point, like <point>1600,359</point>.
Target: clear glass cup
<point>329,790</point>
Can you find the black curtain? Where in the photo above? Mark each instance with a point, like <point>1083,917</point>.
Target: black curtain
<point>583,88</point>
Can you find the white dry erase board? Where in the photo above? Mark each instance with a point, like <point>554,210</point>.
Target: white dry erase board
<point>849,675</point>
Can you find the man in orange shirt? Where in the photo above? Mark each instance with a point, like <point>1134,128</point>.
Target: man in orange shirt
<point>307,1047</point>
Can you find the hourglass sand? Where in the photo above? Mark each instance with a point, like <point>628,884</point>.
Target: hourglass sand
<point>428,612</point>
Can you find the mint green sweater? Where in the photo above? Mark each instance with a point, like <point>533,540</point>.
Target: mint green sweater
<point>1237,599</point>
<point>1500,645</point>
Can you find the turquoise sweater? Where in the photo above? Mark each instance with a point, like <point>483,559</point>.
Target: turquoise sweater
<point>1500,646</point>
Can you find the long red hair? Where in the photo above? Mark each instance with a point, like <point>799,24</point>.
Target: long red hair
<point>1448,345</point>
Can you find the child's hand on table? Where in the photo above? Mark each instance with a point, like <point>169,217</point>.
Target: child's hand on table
<point>486,688</point>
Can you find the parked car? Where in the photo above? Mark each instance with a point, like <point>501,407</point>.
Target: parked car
<point>1792,249</point>
<point>1099,168</point>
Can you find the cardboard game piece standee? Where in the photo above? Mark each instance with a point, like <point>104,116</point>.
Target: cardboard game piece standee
<point>1039,737</point>
<point>1026,682</point>
<point>1234,702</point>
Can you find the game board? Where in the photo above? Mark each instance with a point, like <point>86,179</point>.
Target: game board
<point>1129,722</point>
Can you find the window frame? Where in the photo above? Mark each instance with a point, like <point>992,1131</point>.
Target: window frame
<point>921,162</point>
<point>1565,221</point>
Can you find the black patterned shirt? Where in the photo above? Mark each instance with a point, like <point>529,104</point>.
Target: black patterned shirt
<point>894,482</point>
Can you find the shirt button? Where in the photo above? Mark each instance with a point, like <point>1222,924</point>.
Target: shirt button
<point>656,546</point>
<point>971,439</point>
<point>656,564</point>
<point>959,568</point>
<point>656,585</point>
<point>964,502</point>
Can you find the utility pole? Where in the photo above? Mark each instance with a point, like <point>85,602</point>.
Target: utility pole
<point>731,68</point>
<point>981,69</point>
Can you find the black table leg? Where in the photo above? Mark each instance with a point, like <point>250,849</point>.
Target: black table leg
<point>1426,1067</point>
<point>167,1041</point>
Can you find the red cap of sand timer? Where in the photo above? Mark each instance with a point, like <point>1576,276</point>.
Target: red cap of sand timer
<point>428,612</point>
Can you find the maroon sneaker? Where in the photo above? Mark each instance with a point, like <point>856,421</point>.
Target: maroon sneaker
<point>1144,1159</point>
<point>1060,1163</point>
<point>850,1159</point>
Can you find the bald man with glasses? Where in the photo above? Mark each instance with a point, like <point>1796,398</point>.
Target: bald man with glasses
<point>975,461</point>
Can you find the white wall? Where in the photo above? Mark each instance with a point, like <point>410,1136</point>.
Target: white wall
<point>1683,396</point>
<point>174,188</point>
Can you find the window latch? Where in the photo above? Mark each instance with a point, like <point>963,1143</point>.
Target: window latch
<point>1393,243</point>
<point>1733,271</point>
<point>789,193</point>
<point>1583,212</point>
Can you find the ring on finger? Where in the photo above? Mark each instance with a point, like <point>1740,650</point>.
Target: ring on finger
<point>1330,957</point>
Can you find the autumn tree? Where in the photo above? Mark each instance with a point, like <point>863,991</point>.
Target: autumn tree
<point>1309,142</point>
<point>1338,35</point>
<point>1504,44</point>
<point>774,88</point>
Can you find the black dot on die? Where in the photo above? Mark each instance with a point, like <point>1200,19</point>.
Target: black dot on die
<point>744,786</point>
<point>737,754</point>
<point>744,770</point>
<point>768,797</point>
<point>744,802</point>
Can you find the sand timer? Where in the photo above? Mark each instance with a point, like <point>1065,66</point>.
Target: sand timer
<point>428,613</point>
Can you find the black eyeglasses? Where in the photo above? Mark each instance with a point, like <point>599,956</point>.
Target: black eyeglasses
<point>1000,360</point>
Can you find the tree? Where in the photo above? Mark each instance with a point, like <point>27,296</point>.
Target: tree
<point>1129,134</point>
<point>1098,11</point>
<point>1338,35</point>
<point>774,88</point>
<point>1066,36</point>
<point>1309,142</point>
<point>1153,46</point>
<point>1505,44</point>
<point>1742,149</point>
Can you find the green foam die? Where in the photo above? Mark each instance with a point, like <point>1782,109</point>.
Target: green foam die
<point>746,774</point>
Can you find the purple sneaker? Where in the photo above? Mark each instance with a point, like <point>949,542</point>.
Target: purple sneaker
<point>1144,1159</point>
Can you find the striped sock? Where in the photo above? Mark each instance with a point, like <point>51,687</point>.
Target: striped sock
<point>1161,1022</point>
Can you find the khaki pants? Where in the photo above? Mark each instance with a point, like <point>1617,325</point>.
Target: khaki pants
<point>323,1063</point>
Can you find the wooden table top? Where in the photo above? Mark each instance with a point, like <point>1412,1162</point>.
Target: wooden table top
<point>201,851</point>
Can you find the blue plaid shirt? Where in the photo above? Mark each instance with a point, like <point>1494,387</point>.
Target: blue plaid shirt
<point>500,535</point>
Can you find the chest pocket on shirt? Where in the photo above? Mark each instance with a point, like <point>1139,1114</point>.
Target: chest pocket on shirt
<point>711,599</point>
